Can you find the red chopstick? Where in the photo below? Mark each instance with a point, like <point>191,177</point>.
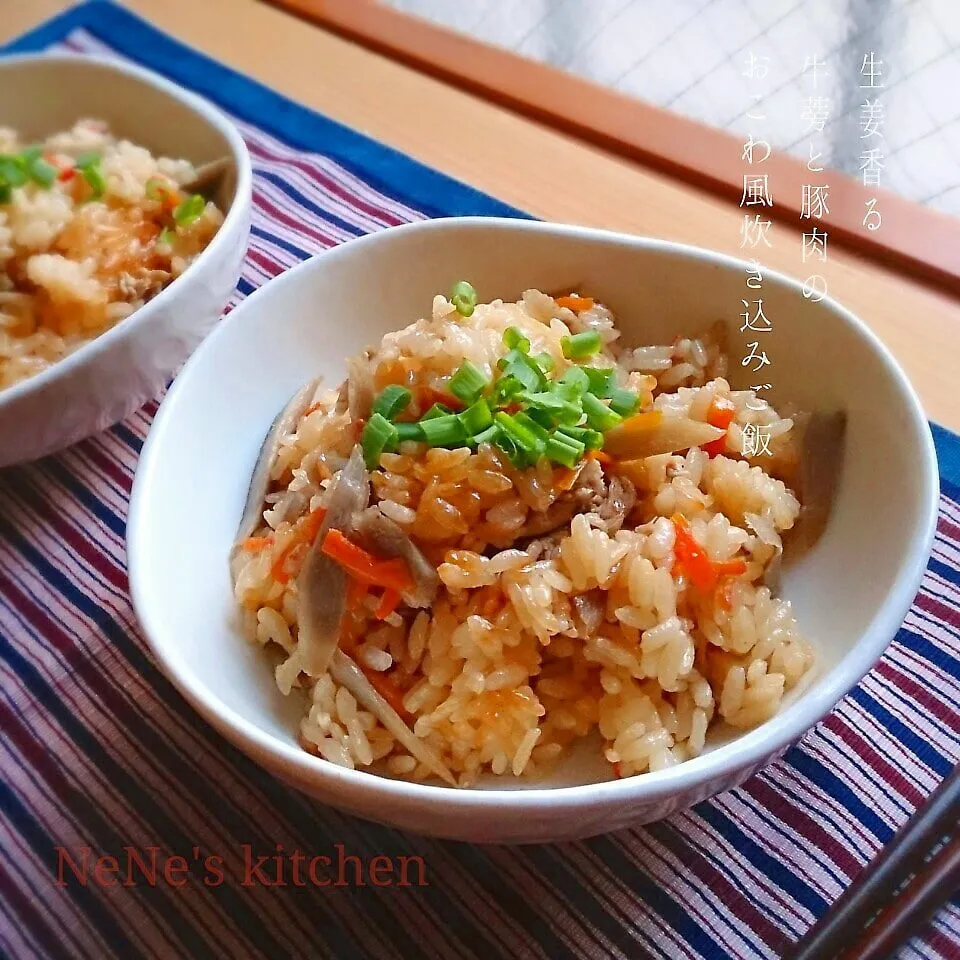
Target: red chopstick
<point>873,896</point>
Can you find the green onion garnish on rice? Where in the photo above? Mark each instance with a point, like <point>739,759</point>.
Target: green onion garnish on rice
<point>514,339</point>
<point>575,377</point>
<point>599,415</point>
<point>392,402</point>
<point>464,298</point>
<point>409,431</point>
<point>525,444</point>
<point>624,402</point>
<point>166,236</point>
<point>556,406</point>
<point>437,410</point>
<point>90,169</point>
<point>444,431</point>
<point>485,436</point>
<point>379,435</point>
<point>564,449</point>
<point>13,172</point>
<point>591,439</point>
<point>476,418</point>
<point>601,380</point>
<point>467,383</point>
<point>518,364</point>
<point>544,361</point>
<point>581,345</point>
<point>190,210</point>
<point>524,410</point>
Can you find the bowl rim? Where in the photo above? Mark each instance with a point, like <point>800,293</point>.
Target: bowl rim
<point>233,218</point>
<point>750,749</point>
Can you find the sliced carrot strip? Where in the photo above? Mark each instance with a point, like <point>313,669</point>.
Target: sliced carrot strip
<point>388,603</point>
<point>577,304</point>
<point>252,544</point>
<point>392,573</point>
<point>720,415</point>
<point>428,396</point>
<point>305,533</point>
<point>694,561</point>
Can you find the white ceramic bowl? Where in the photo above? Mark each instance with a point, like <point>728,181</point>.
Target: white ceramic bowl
<point>110,377</point>
<point>850,593</point>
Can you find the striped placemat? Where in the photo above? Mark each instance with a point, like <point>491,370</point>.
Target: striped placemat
<point>100,754</point>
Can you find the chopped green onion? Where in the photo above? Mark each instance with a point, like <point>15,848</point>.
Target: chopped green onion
<point>476,418</point>
<point>599,415</point>
<point>526,443</point>
<point>437,410</point>
<point>519,365</point>
<point>564,449</point>
<point>5,193</point>
<point>409,431</point>
<point>591,439</point>
<point>537,429</point>
<point>506,390</point>
<point>42,172</point>
<point>485,436</point>
<point>166,236</point>
<point>515,340</point>
<point>392,402</point>
<point>13,171</point>
<point>467,383</point>
<point>623,401</point>
<point>379,435</point>
<point>541,417</point>
<point>601,380</point>
<point>576,377</point>
<point>190,210</point>
<point>544,361</point>
<point>581,345</point>
<point>444,431</point>
<point>464,298</point>
<point>561,410</point>
<point>89,166</point>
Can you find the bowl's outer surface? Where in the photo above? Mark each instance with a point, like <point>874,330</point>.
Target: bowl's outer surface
<point>850,594</point>
<point>116,373</point>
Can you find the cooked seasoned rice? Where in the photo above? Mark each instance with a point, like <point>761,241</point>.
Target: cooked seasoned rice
<point>89,231</point>
<point>562,612</point>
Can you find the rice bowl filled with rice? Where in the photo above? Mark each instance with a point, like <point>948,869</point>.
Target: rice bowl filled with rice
<point>92,227</point>
<point>507,533</point>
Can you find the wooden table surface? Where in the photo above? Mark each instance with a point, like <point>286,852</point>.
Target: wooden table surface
<point>546,173</point>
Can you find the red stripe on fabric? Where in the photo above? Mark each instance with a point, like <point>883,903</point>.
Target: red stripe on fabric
<point>84,549</point>
<point>301,229</point>
<point>937,708</point>
<point>798,820</point>
<point>258,148</point>
<point>939,610</point>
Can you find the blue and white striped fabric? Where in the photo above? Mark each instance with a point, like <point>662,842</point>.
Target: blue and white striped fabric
<point>100,752</point>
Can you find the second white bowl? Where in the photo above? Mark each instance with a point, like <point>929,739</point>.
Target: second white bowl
<point>113,375</point>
